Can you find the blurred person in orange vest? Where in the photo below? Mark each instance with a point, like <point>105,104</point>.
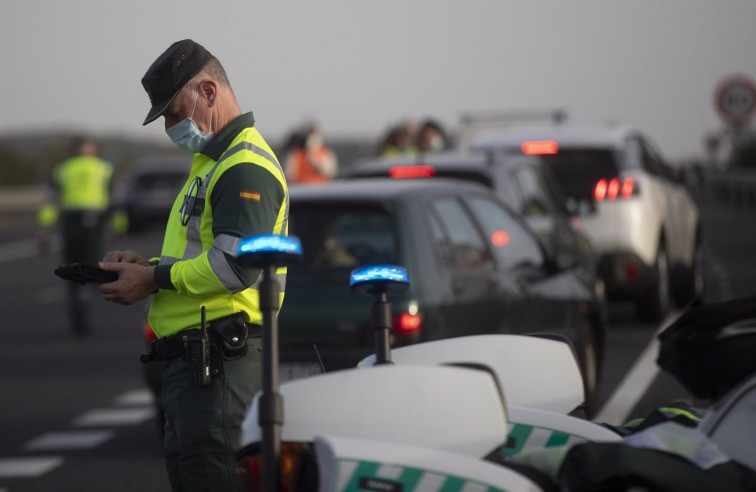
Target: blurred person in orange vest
<point>309,160</point>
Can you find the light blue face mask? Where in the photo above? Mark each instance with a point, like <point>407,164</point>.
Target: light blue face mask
<point>187,136</point>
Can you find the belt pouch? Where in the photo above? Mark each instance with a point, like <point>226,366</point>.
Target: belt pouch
<point>230,335</point>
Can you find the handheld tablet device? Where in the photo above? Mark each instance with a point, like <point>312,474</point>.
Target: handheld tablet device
<point>82,273</point>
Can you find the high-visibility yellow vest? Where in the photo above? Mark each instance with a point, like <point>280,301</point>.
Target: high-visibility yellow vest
<point>82,183</point>
<point>200,272</point>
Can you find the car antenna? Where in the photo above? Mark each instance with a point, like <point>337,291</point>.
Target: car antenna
<point>380,281</point>
<point>320,361</point>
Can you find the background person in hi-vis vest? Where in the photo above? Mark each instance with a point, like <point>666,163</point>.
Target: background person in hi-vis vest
<point>79,204</point>
<point>236,188</point>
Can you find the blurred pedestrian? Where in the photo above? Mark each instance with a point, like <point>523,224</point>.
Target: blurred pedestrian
<point>309,160</point>
<point>431,137</point>
<point>80,201</point>
<point>236,188</point>
<point>398,141</point>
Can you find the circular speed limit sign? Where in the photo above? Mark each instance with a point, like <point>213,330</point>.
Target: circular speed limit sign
<point>735,99</point>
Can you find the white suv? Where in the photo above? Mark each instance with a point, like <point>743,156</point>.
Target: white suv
<point>641,220</point>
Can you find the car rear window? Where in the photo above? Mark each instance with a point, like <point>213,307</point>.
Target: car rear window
<point>337,238</point>
<point>578,170</point>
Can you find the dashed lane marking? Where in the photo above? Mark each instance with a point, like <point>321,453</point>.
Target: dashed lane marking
<point>636,382</point>
<point>68,440</point>
<point>28,467</point>
<point>117,416</point>
<point>135,397</point>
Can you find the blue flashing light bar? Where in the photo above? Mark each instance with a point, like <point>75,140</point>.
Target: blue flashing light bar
<point>379,273</point>
<point>270,243</point>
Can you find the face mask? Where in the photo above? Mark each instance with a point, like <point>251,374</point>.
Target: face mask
<point>187,136</point>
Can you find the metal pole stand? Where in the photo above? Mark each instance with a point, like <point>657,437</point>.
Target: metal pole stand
<point>380,281</point>
<point>269,252</point>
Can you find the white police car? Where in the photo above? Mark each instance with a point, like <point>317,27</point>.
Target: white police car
<point>640,219</point>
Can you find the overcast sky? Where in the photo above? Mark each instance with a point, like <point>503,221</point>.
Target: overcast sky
<point>357,66</point>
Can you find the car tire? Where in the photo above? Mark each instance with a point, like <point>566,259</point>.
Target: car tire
<point>653,305</point>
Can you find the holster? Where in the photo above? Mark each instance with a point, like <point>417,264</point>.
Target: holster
<point>229,334</point>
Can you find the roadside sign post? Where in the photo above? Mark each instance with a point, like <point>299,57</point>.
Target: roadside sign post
<point>735,100</point>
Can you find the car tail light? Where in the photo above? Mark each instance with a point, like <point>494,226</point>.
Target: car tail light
<point>407,323</point>
<point>421,171</point>
<point>297,469</point>
<point>539,147</point>
<point>614,188</point>
<point>500,238</point>
<point>148,333</point>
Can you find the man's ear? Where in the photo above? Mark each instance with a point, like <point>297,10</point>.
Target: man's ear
<point>209,90</point>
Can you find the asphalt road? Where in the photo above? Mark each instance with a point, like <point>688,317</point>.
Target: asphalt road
<point>75,413</point>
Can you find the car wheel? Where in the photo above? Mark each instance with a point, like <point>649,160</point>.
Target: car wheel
<point>653,305</point>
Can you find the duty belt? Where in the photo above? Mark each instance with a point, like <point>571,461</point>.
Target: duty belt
<point>175,345</point>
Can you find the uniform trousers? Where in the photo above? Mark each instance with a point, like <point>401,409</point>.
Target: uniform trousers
<point>203,423</point>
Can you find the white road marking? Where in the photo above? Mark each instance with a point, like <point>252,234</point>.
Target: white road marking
<point>135,397</point>
<point>636,382</point>
<point>114,416</point>
<point>28,467</point>
<point>68,440</point>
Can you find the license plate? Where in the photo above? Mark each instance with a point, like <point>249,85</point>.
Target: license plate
<point>297,370</point>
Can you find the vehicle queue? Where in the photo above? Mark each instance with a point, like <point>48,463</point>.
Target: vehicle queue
<point>474,229</point>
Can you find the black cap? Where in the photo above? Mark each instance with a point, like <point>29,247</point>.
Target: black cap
<point>170,72</point>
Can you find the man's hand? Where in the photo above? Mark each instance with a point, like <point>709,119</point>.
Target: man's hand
<point>127,256</point>
<point>135,281</point>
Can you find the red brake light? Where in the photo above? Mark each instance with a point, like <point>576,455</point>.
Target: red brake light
<point>406,323</point>
<point>537,147</point>
<point>628,186</point>
<point>599,191</point>
<point>500,238</point>
<point>614,188</point>
<point>420,171</point>
<point>293,457</point>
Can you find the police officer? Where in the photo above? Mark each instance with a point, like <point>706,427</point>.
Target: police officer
<point>236,188</point>
<point>81,189</point>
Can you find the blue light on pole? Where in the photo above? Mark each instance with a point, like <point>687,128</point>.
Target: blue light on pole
<point>387,278</point>
<point>269,249</point>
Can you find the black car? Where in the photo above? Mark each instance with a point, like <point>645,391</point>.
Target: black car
<point>475,267</point>
<point>149,187</point>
